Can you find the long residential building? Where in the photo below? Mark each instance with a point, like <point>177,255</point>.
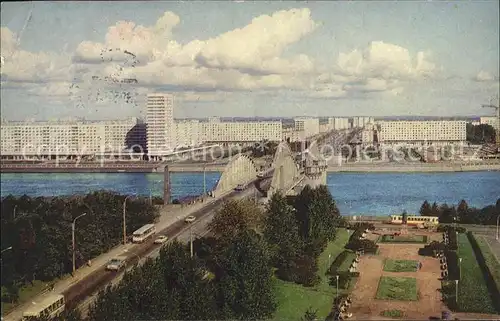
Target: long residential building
<point>308,126</point>
<point>217,131</point>
<point>51,139</point>
<point>439,132</point>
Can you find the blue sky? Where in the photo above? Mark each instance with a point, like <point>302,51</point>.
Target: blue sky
<point>305,58</point>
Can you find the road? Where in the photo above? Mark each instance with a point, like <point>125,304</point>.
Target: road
<point>199,229</point>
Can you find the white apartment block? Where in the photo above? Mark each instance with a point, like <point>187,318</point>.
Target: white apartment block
<point>219,131</point>
<point>362,121</point>
<point>160,124</point>
<point>338,123</point>
<point>292,135</point>
<point>440,132</point>
<point>187,133</point>
<point>309,126</point>
<point>490,120</point>
<point>49,139</point>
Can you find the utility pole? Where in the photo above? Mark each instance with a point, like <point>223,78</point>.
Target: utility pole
<point>204,180</point>
<point>125,219</point>
<point>191,239</point>
<point>497,130</point>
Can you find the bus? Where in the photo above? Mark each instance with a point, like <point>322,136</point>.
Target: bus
<point>49,307</point>
<point>415,220</point>
<point>143,233</point>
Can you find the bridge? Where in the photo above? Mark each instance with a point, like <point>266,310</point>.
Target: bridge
<point>284,174</point>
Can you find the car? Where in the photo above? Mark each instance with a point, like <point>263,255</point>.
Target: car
<point>239,187</point>
<point>161,239</point>
<point>260,175</point>
<point>116,264</point>
<point>190,219</point>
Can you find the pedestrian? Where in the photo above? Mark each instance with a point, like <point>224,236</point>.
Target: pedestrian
<point>420,267</point>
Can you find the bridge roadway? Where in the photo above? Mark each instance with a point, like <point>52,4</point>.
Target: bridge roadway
<point>83,291</point>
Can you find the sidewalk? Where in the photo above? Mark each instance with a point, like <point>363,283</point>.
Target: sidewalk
<point>167,218</point>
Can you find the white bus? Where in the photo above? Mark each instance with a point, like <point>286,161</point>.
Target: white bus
<point>143,233</point>
<point>49,307</point>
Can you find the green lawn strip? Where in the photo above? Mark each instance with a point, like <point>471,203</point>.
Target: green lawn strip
<point>294,299</point>
<point>473,295</point>
<point>26,293</point>
<point>400,265</point>
<point>491,261</point>
<point>387,238</point>
<point>392,313</point>
<point>397,288</point>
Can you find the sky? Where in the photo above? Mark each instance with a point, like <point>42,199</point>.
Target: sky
<point>98,60</point>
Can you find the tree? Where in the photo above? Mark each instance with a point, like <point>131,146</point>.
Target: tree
<point>245,281</point>
<point>462,210</point>
<point>235,217</point>
<point>425,209</point>
<point>435,209</point>
<point>282,234</point>
<point>404,217</point>
<point>310,315</point>
<point>480,134</point>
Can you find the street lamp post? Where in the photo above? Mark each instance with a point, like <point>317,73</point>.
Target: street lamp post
<point>15,208</point>
<point>1,261</point>
<point>498,219</point>
<point>337,293</point>
<point>125,220</point>
<point>191,239</point>
<point>73,240</point>
<point>460,267</point>
<point>456,291</point>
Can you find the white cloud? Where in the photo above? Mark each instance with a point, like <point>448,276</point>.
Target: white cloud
<point>385,60</point>
<point>250,58</point>
<point>484,76</point>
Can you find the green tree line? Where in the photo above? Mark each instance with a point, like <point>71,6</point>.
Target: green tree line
<point>230,275</point>
<point>462,214</point>
<point>39,232</point>
<point>480,134</point>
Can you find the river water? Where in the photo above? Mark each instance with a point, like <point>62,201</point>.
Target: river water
<point>355,193</point>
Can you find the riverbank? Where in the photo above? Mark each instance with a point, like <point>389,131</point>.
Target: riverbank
<point>412,168</point>
<point>196,167</point>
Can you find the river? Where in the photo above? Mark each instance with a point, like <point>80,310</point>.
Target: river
<point>355,193</point>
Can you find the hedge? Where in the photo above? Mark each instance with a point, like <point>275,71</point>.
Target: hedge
<point>452,238</point>
<point>452,262</point>
<point>340,260</point>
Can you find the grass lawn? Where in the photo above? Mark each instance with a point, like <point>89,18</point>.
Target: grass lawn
<point>473,295</point>
<point>294,299</point>
<point>393,288</point>
<point>388,238</point>
<point>392,313</point>
<point>400,265</point>
<point>491,261</point>
<point>25,294</point>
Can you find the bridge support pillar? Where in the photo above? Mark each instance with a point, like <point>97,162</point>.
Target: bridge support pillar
<point>166,186</point>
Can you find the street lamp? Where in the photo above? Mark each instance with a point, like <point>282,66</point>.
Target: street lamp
<point>498,219</point>
<point>1,261</point>
<point>125,220</point>
<point>73,240</point>
<point>15,208</point>
<point>460,267</point>
<point>337,293</point>
<point>456,291</point>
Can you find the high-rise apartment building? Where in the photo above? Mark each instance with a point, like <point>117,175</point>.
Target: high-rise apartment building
<point>309,126</point>
<point>160,124</point>
<point>338,123</point>
<point>436,132</point>
<point>490,120</point>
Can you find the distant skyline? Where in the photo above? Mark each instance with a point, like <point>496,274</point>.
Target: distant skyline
<point>246,59</point>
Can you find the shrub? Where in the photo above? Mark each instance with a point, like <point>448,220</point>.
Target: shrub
<point>431,248</point>
<point>452,238</point>
<point>367,245</point>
